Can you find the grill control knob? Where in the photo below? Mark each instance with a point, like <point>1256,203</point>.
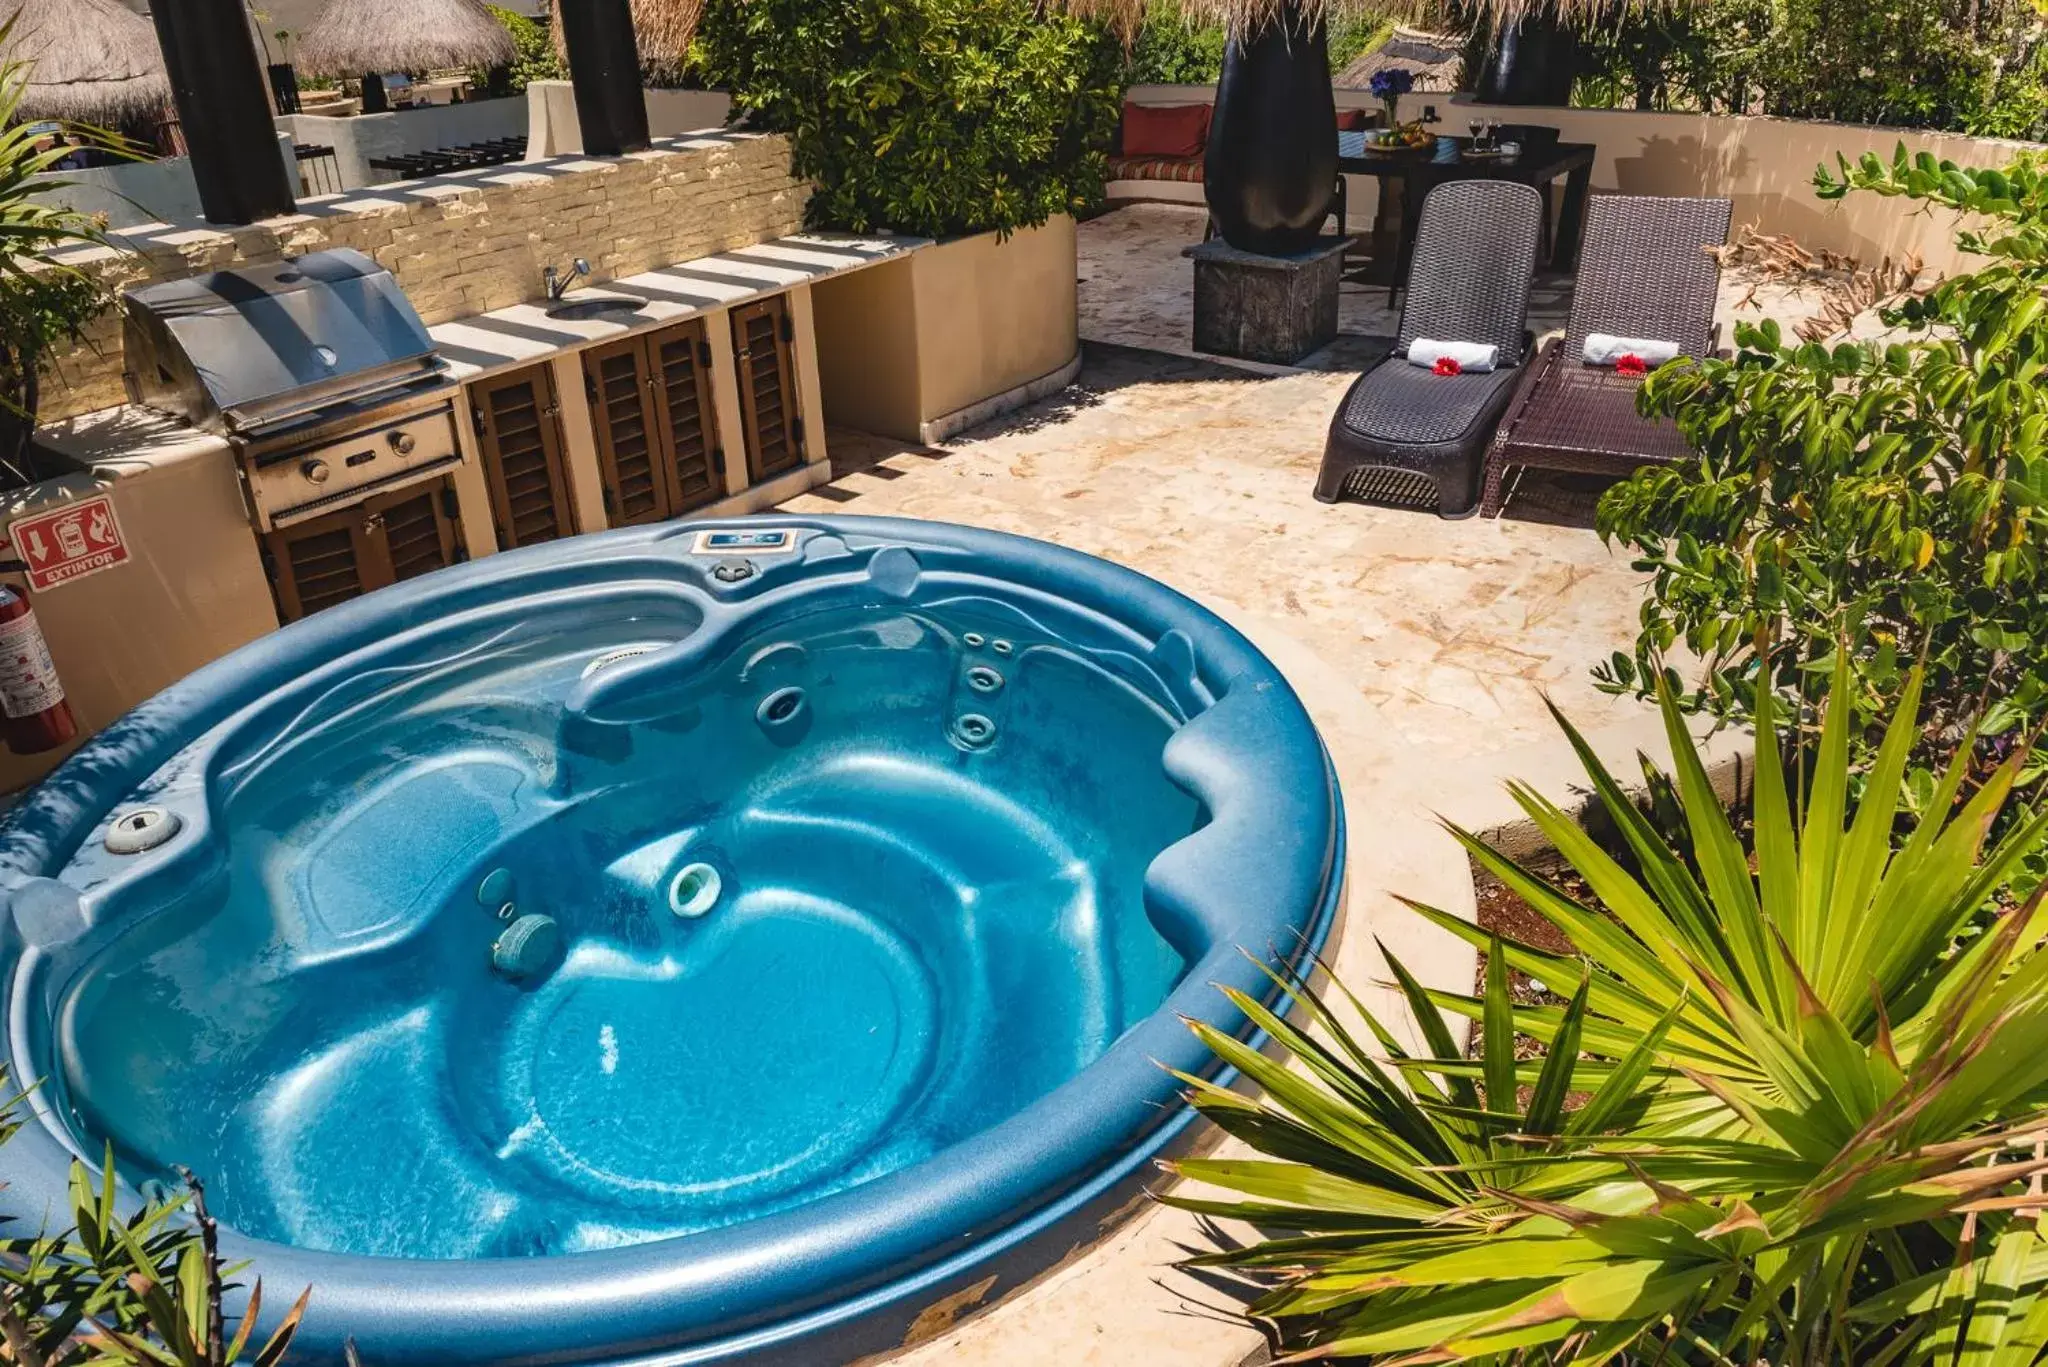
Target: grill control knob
<point>315,470</point>
<point>402,442</point>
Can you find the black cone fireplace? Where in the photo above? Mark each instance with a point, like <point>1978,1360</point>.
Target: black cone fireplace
<point>1271,169</point>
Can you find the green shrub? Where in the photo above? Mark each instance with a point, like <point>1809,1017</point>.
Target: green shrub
<point>536,61</point>
<point>1705,56</point>
<point>2017,103</point>
<point>1172,49</point>
<point>1966,65</point>
<point>937,117</point>
<point>1904,63</point>
<point>1352,38</point>
<point>1790,1114</point>
<point>1882,500</point>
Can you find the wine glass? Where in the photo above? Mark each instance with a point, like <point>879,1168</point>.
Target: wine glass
<point>1478,127</point>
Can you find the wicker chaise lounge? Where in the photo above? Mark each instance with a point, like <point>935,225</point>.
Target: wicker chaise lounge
<point>1405,435</point>
<point>1646,272</point>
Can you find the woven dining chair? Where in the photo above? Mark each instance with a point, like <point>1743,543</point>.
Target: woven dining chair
<point>1646,272</point>
<point>1408,437</point>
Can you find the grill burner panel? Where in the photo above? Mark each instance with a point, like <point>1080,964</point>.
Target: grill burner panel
<point>292,483</point>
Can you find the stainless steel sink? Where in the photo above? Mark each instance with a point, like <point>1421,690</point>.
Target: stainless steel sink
<point>608,307</point>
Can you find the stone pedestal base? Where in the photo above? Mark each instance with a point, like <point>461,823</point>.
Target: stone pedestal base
<point>1276,309</point>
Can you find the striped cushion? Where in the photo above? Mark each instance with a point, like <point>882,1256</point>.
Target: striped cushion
<point>1183,170</point>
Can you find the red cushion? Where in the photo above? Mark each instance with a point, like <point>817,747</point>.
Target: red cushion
<point>1354,120</point>
<point>1165,130</point>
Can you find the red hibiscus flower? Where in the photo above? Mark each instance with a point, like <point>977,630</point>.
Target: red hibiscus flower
<point>1447,365</point>
<point>1631,364</point>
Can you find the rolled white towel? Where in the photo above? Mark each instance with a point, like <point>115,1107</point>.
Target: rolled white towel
<point>1473,358</point>
<point>1604,349</point>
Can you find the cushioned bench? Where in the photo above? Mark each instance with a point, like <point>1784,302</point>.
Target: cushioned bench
<point>1161,143</point>
<point>1164,144</point>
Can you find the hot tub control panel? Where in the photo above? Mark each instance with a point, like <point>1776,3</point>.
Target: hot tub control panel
<point>766,541</point>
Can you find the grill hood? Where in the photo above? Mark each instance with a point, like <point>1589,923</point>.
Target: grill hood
<point>255,350</point>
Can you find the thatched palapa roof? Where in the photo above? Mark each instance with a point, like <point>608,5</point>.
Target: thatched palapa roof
<point>662,28</point>
<point>357,36</point>
<point>1433,58</point>
<point>94,61</point>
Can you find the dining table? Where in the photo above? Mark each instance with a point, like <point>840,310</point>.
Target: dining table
<point>1418,170</point>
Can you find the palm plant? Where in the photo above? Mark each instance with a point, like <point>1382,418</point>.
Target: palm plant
<point>1815,1062</point>
<point>42,300</point>
<point>144,1290</point>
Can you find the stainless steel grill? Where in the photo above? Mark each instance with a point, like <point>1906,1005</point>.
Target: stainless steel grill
<point>316,369</point>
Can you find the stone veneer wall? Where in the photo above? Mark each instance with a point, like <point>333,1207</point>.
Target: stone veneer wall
<point>472,242</point>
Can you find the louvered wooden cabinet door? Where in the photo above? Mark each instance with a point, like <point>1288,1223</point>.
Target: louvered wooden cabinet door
<point>680,360</point>
<point>761,342</point>
<point>520,436</point>
<point>629,448</point>
<point>320,562</point>
<point>328,560</point>
<point>417,528</point>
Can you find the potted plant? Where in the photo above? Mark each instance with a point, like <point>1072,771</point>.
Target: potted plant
<point>982,124</point>
<point>42,300</point>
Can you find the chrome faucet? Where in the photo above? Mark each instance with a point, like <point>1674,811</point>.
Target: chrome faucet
<point>557,284</point>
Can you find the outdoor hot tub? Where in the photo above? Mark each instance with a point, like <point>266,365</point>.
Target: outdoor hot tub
<point>697,942</point>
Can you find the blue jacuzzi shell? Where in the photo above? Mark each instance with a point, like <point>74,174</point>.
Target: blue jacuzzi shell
<point>847,1274</point>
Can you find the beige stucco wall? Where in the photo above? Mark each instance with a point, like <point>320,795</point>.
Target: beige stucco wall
<point>993,315</point>
<point>867,342</point>
<point>192,589</point>
<point>552,127</point>
<point>463,246</point>
<point>1764,165</point>
<point>981,316</point>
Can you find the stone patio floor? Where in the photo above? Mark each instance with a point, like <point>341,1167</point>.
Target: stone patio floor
<point>1423,648</point>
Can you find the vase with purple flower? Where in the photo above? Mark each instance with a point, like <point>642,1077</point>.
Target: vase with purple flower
<point>1388,86</point>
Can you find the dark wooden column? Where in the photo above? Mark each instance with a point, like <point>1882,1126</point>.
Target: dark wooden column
<point>604,66</point>
<point>217,82</point>
<point>1532,61</point>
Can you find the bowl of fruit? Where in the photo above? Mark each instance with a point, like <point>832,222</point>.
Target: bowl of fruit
<point>1401,139</point>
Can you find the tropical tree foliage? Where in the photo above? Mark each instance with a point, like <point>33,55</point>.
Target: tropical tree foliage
<point>1883,499</point>
<point>936,117</point>
<point>537,60</point>
<point>1790,1114</point>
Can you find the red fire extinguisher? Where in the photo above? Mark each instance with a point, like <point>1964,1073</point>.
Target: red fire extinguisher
<point>34,716</point>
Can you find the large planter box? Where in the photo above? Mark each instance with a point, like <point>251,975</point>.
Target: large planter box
<point>951,335</point>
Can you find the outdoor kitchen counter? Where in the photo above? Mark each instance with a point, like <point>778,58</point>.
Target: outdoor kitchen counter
<point>525,333</point>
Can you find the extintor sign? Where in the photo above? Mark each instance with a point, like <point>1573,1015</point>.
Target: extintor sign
<point>70,543</point>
